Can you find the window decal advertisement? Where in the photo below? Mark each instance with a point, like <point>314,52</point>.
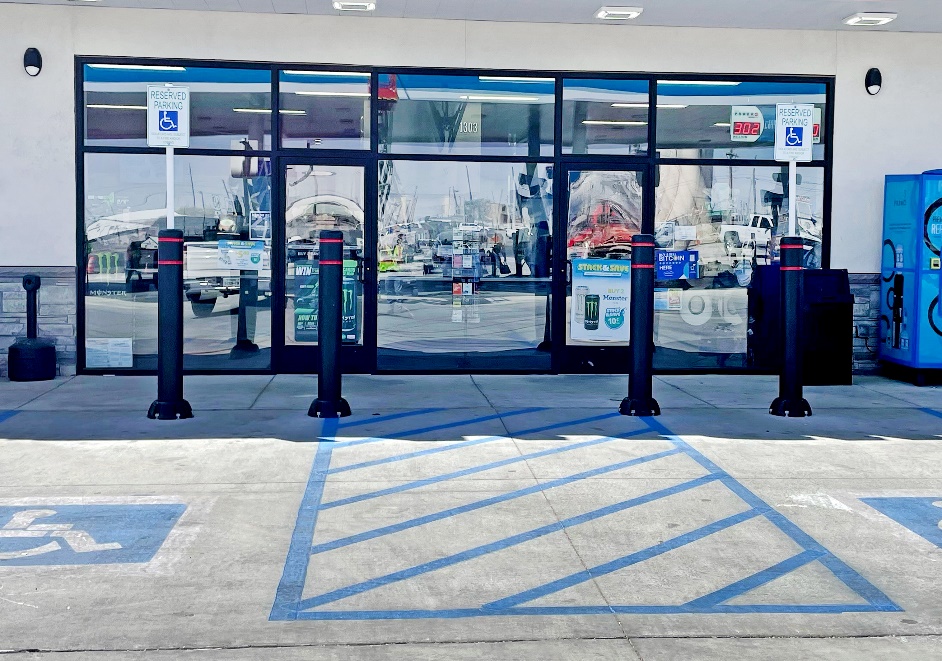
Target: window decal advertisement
<point>600,299</point>
<point>676,264</point>
<point>305,302</point>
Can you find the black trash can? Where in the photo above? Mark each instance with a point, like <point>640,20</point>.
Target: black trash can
<point>827,324</point>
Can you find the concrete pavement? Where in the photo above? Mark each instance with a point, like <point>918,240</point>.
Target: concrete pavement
<point>462,517</point>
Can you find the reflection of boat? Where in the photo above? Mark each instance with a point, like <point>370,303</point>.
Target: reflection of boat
<point>605,229</point>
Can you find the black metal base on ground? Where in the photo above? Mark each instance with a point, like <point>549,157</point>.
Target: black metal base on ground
<point>329,408</point>
<point>244,349</point>
<point>32,359</point>
<point>639,407</point>
<point>170,410</point>
<point>793,408</point>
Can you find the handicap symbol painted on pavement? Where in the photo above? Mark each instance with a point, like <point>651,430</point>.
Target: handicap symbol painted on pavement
<point>921,515</point>
<point>168,120</point>
<point>794,136</point>
<point>84,534</point>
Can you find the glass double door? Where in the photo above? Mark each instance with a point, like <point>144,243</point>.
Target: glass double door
<point>456,266</point>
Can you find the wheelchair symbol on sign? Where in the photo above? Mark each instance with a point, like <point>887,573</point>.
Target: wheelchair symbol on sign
<point>168,120</point>
<point>794,136</point>
<point>22,525</point>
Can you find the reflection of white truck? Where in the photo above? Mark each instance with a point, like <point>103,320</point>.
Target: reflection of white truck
<point>204,281</point>
<point>753,237</point>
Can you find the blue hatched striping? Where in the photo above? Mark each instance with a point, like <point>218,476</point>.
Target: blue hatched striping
<point>446,448</point>
<point>6,415</point>
<point>288,604</point>
<point>513,540</point>
<point>470,507</point>
<point>931,412</point>
<point>767,575</point>
<point>486,467</point>
<point>291,586</point>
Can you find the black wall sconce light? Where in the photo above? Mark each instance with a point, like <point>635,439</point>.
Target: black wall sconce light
<point>32,61</point>
<point>873,81</point>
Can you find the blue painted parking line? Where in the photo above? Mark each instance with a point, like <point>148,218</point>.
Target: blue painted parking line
<point>425,430</point>
<point>387,418</point>
<point>513,540</point>
<point>758,579</point>
<point>289,605</point>
<point>291,586</point>
<point>486,467</point>
<point>931,412</point>
<point>6,415</point>
<point>624,561</point>
<point>470,507</point>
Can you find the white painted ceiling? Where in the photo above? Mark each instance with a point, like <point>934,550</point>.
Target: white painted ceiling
<point>914,15</point>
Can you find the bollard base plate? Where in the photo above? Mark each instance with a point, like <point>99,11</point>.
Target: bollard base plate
<point>644,407</point>
<point>793,408</point>
<point>170,410</point>
<point>243,349</point>
<point>329,408</point>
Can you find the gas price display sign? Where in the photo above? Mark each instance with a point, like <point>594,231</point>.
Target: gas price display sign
<point>745,124</point>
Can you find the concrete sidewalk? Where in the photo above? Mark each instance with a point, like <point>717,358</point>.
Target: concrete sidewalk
<point>506,517</point>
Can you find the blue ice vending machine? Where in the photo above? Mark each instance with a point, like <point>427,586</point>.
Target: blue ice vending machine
<point>910,312</point>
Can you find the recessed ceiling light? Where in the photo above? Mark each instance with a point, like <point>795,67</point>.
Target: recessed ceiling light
<point>327,93</point>
<point>137,67</point>
<point>492,97</point>
<point>514,79</point>
<point>343,5</point>
<point>114,106</point>
<point>722,125</point>
<point>267,111</point>
<point>340,74</point>
<point>645,105</point>
<point>612,122</point>
<point>322,173</point>
<point>618,13</point>
<point>697,82</point>
<point>869,18</point>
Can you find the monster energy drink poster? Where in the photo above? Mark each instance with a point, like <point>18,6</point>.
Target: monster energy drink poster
<point>600,294</point>
<point>305,302</point>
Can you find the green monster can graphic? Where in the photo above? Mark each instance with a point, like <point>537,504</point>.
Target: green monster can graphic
<point>591,321</point>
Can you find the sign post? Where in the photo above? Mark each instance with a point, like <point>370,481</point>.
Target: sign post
<point>168,126</point>
<point>794,140</point>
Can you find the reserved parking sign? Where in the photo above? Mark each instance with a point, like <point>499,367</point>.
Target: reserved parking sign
<point>794,132</point>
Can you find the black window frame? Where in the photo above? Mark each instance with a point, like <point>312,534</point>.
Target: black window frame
<point>647,162</point>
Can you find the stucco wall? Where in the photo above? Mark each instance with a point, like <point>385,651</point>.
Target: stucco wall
<point>893,132</point>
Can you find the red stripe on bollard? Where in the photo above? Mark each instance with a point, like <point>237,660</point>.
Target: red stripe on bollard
<point>331,240</point>
<point>792,268</point>
<point>330,262</point>
<point>169,240</point>
<point>642,266</point>
<point>167,262</point>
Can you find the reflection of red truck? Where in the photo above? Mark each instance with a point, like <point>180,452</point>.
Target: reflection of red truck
<point>607,228</point>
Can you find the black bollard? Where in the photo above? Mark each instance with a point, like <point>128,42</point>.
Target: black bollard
<point>245,330</point>
<point>170,404</point>
<point>790,401</point>
<point>329,403</point>
<point>32,358</point>
<point>640,400</point>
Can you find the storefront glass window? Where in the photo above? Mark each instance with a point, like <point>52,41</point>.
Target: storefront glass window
<point>605,116</point>
<point>464,263</point>
<point>227,309</point>
<point>229,108</point>
<point>729,119</point>
<point>325,109</point>
<point>470,115</point>
<point>714,225</point>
